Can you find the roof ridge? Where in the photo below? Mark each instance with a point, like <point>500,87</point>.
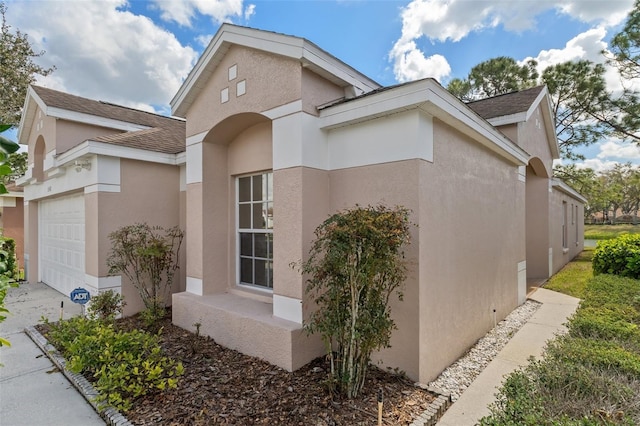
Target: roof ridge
<point>539,86</point>
<point>85,99</point>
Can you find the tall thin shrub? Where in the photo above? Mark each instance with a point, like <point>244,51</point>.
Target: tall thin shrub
<point>149,257</point>
<point>355,265</point>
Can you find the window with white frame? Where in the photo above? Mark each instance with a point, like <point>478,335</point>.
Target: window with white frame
<point>255,229</point>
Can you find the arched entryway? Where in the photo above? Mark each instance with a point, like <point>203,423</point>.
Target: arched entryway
<point>537,223</point>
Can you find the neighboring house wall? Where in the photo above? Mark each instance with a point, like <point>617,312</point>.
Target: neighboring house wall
<point>91,172</point>
<point>12,223</point>
<point>566,229</point>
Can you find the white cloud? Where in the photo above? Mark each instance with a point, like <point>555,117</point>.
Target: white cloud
<point>102,51</point>
<point>619,150</point>
<point>183,11</point>
<point>587,46</point>
<point>452,20</point>
<point>597,164</point>
<point>411,64</point>
<point>608,13</point>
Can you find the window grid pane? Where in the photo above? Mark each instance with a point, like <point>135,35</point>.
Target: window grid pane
<point>255,224</point>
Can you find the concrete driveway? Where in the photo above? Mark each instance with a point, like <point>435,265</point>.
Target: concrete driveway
<point>32,390</point>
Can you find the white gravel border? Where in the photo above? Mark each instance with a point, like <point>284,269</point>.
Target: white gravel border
<point>459,375</point>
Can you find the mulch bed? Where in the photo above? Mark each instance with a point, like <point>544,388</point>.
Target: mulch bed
<point>221,386</point>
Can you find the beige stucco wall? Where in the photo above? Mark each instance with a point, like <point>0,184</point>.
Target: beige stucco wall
<point>537,217</point>
<point>271,81</point>
<point>464,255</point>
<point>150,193</point>
<point>70,134</point>
<point>317,91</point>
<point>42,126</point>
<point>31,241</point>
<point>575,229</point>
<point>12,224</point>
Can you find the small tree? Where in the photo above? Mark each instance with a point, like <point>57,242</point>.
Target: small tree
<point>356,263</point>
<point>148,257</point>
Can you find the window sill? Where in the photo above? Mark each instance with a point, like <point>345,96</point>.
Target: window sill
<point>260,295</point>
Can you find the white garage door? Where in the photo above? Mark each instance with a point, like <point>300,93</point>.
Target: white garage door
<point>61,241</point>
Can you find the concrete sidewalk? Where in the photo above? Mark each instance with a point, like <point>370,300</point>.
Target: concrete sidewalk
<point>32,391</point>
<point>530,340</point>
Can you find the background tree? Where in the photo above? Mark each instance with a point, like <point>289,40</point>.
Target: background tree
<point>578,96</point>
<point>17,161</point>
<point>494,77</point>
<point>624,48</point>
<point>585,110</point>
<point>17,70</point>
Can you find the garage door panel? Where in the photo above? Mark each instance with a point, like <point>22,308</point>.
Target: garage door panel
<point>62,242</point>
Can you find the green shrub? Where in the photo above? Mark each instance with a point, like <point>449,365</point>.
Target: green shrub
<point>596,352</point>
<point>149,257</point>
<point>124,365</point>
<point>620,256</point>
<point>609,323</point>
<point>107,305</point>
<point>355,265</point>
<point>8,264</point>
<point>590,376</point>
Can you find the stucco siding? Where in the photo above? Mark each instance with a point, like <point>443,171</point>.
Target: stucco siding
<point>270,81</point>
<point>70,134</point>
<point>12,224</point>
<point>471,241</point>
<point>150,194</point>
<point>317,91</point>
<point>565,212</point>
<point>391,184</point>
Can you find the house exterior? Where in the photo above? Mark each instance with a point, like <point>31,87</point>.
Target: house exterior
<point>280,134</point>
<point>12,219</point>
<point>277,135</point>
<point>93,168</point>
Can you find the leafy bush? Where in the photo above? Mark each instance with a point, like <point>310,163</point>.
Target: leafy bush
<point>107,305</point>
<point>550,392</point>
<point>591,376</point>
<point>125,365</point>
<point>149,257</point>
<point>8,264</point>
<point>620,256</point>
<point>355,265</point>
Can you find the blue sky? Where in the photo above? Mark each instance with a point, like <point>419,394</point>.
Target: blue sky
<point>138,52</point>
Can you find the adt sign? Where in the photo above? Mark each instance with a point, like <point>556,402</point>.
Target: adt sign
<point>80,295</point>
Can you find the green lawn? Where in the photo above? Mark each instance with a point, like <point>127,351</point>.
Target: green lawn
<point>573,278</point>
<point>607,232</point>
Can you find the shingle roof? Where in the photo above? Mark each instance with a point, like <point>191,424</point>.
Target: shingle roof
<point>507,104</point>
<point>164,134</point>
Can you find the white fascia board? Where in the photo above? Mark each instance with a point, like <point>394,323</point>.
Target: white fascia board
<point>547,113</point>
<point>31,104</point>
<point>95,120</point>
<point>101,148</point>
<point>336,69</point>
<point>563,187</point>
<point>508,119</point>
<point>431,98</point>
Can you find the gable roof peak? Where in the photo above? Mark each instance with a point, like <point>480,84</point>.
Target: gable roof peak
<point>307,53</point>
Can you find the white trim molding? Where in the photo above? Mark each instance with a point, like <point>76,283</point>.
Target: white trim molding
<point>194,163</point>
<point>194,286</point>
<point>522,282</point>
<point>287,308</point>
<point>104,283</point>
